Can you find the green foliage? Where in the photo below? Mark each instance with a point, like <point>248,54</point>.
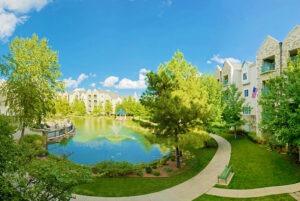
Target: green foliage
<point>148,169</point>
<point>233,107</point>
<point>281,197</point>
<point>62,106</point>
<point>98,110</point>
<point>78,107</point>
<point>254,138</point>
<point>156,173</point>
<point>7,147</point>
<point>113,169</point>
<point>140,173</point>
<point>177,99</point>
<point>281,106</point>
<point>108,107</point>
<point>31,70</point>
<point>34,145</point>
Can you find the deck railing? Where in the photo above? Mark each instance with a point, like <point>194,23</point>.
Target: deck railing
<point>60,132</point>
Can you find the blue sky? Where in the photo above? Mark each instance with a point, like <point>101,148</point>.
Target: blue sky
<point>110,44</point>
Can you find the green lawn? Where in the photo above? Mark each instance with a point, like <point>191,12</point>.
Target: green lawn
<point>137,186</point>
<point>255,166</point>
<point>283,197</point>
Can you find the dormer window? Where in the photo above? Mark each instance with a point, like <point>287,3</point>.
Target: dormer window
<point>245,77</point>
<point>268,64</point>
<point>225,80</point>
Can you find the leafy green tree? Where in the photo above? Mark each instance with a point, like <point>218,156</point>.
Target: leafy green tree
<point>31,70</point>
<point>98,110</point>
<point>62,106</point>
<point>108,107</point>
<point>280,102</point>
<point>233,108</point>
<point>78,107</point>
<point>177,100</point>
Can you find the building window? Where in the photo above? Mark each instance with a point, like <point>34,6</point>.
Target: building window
<point>293,55</point>
<point>225,80</point>
<point>245,76</point>
<point>268,64</point>
<point>247,110</point>
<point>264,86</point>
<point>246,93</point>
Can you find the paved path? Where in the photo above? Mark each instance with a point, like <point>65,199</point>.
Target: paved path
<point>17,135</point>
<point>256,192</point>
<point>187,190</point>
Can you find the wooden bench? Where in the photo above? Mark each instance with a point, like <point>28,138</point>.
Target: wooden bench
<point>226,174</point>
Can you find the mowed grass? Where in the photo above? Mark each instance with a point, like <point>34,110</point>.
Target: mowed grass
<point>256,167</point>
<point>282,197</point>
<point>112,187</point>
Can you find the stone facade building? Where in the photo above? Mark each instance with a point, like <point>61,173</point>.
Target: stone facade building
<point>271,59</point>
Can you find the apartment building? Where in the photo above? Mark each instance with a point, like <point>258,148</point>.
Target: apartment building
<point>271,59</point>
<point>93,98</point>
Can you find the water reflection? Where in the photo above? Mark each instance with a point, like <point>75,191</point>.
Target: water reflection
<point>99,139</point>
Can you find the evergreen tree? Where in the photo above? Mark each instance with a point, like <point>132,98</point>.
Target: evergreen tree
<point>108,107</point>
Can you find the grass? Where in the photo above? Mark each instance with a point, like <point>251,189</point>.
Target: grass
<point>111,187</point>
<point>282,197</point>
<point>256,167</point>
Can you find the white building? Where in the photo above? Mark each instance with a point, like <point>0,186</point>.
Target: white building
<point>93,98</point>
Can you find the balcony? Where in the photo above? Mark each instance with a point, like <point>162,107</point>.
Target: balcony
<point>267,66</point>
<point>225,82</point>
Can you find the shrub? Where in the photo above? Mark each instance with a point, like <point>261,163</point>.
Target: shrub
<point>156,173</point>
<point>113,169</point>
<point>148,169</point>
<point>163,161</point>
<point>168,169</point>
<point>254,138</point>
<point>172,157</point>
<point>140,173</point>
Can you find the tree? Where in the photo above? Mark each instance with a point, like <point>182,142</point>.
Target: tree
<point>280,101</point>
<point>62,106</point>
<point>177,100</point>
<point>78,107</point>
<point>98,110</point>
<point>108,107</point>
<point>233,107</point>
<point>31,70</point>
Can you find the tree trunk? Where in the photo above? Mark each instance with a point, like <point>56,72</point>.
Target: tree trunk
<point>22,132</point>
<point>177,152</point>
<point>177,157</point>
<point>235,132</point>
<point>299,153</point>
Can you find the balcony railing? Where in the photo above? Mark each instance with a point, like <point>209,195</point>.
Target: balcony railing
<point>267,67</point>
<point>225,82</point>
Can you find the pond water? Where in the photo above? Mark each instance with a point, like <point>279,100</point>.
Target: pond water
<point>99,139</point>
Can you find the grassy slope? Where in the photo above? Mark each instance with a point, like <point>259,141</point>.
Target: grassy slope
<point>255,166</point>
<point>138,186</point>
<point>283,197</point>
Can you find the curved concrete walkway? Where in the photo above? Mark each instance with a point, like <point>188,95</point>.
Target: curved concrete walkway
<point>189,189</point>
<point>256,192</point>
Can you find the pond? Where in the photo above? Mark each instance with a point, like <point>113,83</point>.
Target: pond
<point>100,139</point>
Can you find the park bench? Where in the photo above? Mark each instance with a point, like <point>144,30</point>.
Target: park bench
<point>226,175</point>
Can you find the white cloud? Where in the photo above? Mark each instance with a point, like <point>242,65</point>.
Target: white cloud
<point>144,70</point>
<point>23,6</point>
<point>71,83</point>
<point>220,60</point>
<point>79,89</point>
<point>110,81</point>
<point>126,83</point>
<point>208,62</point>
<point>12,14</point>
<point>93,84</point>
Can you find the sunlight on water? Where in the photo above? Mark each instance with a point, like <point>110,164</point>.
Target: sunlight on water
<point>99,139</point>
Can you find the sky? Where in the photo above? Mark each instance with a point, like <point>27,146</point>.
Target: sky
<point>112,44</point>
